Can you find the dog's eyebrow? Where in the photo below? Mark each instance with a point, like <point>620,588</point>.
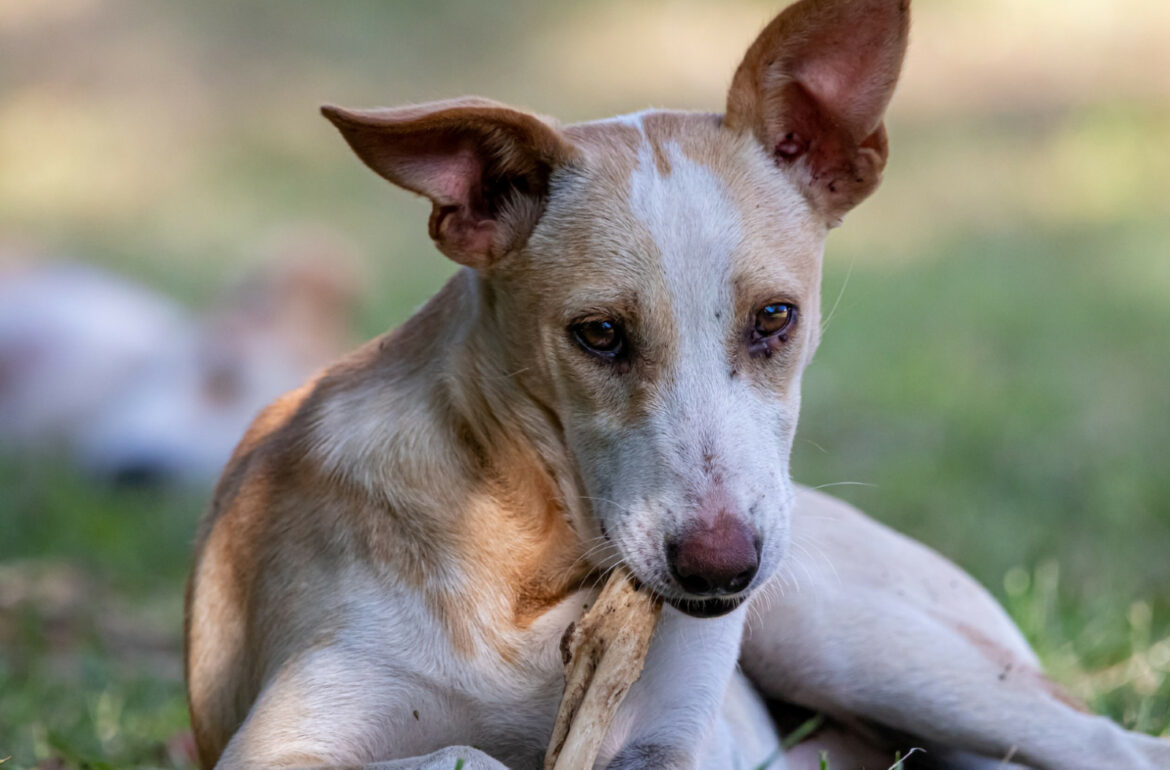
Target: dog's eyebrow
<point>624,304</point>
<point>756,288</point>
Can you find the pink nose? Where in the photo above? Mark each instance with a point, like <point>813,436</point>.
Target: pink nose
<point>721,558</point>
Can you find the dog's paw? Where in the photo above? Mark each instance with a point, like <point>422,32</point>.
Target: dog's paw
<point>643,756</point>
<point>449,758</point>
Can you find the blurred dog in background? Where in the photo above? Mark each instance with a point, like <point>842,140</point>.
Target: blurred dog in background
<point>134,388</point>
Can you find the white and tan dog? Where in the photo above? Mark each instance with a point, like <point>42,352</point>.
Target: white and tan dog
<point>397,548</point>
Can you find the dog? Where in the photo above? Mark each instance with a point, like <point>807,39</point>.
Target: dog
<point>132,388</point>
<point>396,549</point>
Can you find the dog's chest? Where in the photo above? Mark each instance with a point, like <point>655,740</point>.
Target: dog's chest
<point>501,693</point>
<point>518,692</point>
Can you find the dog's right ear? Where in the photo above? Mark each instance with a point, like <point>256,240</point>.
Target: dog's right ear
<point>485,168</point>
<point>813,89</point>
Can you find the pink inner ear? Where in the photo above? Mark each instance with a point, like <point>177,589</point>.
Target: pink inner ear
<point>485,168</point>
<point>813,87</point>
<point>463,233</point>
<point>850,66</point>
<point>830,84</point>
<point>800,123</point>
<point>453,180</point>
<point>841,89</point>
<point>447,178</point>
<point>460,221</point>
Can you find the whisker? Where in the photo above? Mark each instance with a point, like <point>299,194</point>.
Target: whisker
<point>815,444</point>
<point>788,575</point>
<point>623,508</point>
<point>840,294</point>
<point>846,484</point>
<point>600,550</point>
<point>810,542</point>
<point>807,572</point>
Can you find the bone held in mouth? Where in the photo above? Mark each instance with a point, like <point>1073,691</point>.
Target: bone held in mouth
<point>604,653</point>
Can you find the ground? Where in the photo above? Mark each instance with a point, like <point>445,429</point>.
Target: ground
<point>994,379</point>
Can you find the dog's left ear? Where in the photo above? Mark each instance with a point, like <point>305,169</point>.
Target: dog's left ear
<point>813,89</point>
<point>485,168</point>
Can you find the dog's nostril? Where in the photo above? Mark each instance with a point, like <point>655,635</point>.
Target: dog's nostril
<point>718,559</point>
<point>695,584</point>
<point>740,581</point>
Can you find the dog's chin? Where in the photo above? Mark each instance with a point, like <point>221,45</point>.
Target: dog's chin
<point>706,608</point>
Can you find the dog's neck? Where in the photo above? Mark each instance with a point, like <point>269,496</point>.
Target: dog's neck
<point>522,460</point>
<point>467,451</point>
<point>509,422</point>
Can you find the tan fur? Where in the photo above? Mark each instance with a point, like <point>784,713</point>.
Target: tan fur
<point>429,153</point>
<point>1012,665</point>
<point>396,550</point>
<point>275,506</point>
<point>820,75</point>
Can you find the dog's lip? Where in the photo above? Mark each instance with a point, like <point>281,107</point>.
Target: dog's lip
<point>713,607</point>
<point>710,607</point>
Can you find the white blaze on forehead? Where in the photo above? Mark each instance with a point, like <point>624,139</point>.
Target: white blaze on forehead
<point>692,219</point>
<point>633,119</point>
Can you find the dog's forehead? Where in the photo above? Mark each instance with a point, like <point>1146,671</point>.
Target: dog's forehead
<point>683,203</point>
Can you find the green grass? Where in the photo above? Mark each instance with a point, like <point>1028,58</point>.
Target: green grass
<point>1001,416</point>
<point>90,609</point>
<point>994,380</point>
<point>1017,423</point>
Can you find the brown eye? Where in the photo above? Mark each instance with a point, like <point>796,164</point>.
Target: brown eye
<point>602,337</point>
<point>774,319</point>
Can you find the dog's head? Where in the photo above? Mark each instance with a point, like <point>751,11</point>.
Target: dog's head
<point>654,280</point>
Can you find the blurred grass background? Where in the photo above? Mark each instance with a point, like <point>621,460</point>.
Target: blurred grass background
<point>995,378</point>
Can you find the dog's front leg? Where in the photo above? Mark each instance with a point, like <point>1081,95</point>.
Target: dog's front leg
<point>463,757</point>
<point>667,720</point>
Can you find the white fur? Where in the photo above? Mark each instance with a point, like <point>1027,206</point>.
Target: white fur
<point>856,622</point>
<point>859,622</point>
<point>698,231</point>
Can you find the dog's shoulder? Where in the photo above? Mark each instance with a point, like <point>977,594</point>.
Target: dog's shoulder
<point>279,440</point>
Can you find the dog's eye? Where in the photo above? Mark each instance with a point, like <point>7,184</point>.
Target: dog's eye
<point>600,336</point>
<point>774,318</point>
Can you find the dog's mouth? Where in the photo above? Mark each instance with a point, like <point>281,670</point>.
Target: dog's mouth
<point>706,608</point>
<point>712,607</point>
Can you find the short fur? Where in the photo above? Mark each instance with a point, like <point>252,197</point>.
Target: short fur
<point>395,551</point>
